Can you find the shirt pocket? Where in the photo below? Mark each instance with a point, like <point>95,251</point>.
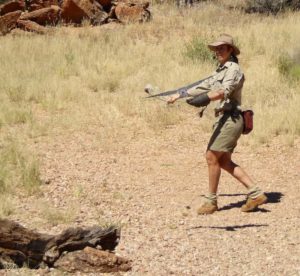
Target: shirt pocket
<point>218,79</point>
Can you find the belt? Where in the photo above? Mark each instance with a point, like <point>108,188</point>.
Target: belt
<point>234,112</point>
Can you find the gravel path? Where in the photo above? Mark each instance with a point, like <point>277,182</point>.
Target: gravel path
<point>152,186</point>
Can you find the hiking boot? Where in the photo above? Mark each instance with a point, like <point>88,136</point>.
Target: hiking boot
<point>253,203</point>
<point>207,208</point>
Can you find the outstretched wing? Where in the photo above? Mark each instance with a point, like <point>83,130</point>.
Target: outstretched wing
<point>149,89</point>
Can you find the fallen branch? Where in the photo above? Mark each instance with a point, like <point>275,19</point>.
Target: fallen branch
<point>19,246</point>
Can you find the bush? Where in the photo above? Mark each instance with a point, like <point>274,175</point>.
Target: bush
<point>271,6</point>
<point>18,169</point>
<point>289,66</point>
<point>197,50</point>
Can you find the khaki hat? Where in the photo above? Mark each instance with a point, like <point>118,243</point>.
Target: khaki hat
<point>224,39</point>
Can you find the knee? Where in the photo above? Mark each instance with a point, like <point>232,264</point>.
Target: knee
<point>227,165</point>
<point>211,159</point>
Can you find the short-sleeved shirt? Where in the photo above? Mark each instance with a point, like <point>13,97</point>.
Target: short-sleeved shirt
<point>228,77</point>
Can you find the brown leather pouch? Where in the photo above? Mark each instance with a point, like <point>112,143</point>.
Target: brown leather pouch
<point>248,121</point>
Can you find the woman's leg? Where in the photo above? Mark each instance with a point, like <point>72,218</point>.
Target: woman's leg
<point>214,173</point>
<point>214,169</point>
<point>255,195</point>
<point>235,170</point>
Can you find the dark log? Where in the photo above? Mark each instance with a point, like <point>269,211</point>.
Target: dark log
<point>20,246</point>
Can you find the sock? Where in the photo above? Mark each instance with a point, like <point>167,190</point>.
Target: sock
<point>211,198</point>
<point>254,192</point>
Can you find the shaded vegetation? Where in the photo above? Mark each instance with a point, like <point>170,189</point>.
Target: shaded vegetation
<point>196,50</point>
<point>289,67</point>
<point>271,6</point>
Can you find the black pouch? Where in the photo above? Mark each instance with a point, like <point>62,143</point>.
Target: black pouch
<point>199,101</point>
<point>248,121</point>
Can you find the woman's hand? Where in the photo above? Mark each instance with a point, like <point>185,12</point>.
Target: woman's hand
<point>173,99</point>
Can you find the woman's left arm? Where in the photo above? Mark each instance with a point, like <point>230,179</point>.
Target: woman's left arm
<point>216,94</point>
<point>231,81</point>
<point>213,96</point>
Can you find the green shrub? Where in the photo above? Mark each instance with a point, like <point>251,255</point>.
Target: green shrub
<point>295,71</point>
<point>289,67</point>
<point>197,50</point>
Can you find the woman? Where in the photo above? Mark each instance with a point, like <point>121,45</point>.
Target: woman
<point>225,86</point>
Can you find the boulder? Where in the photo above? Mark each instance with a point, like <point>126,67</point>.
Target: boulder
<point>141,3</point>
<point>9,21</point>
<point>128,12</point>
<point>91,260</point>
<point>105,3</point>
<point>31,26</point>
<point>12,6</point>
<point>75,11</point>
<point>43,16</point>
<point>39,4</point>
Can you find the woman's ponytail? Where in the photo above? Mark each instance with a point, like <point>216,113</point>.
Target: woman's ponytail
<point>233,58</point>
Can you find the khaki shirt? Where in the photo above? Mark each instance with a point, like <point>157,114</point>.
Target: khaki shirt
<point>229,78</point>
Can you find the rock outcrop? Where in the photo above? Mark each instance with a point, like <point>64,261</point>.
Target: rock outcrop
<point>127,12</point>
<point>30,26</point>
<point>40,13</point>
<point>12,6</point>
<point>91,260</point>
<point>75,11</point>
<point>39,4</point>
<point>44,16</point>
<point>9,21</point>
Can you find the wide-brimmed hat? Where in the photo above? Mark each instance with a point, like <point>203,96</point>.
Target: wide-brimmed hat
<point>224,39</point>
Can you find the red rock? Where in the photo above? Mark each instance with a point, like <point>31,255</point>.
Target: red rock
<point>128,12</point>
<point>12,6</point>
<point>39,4</point>
<point>75,11</point>
<point>43,16</point>
<point>31,26</point>
<point>105,3</point>
<point>91,260</point>
<point>9,21</point>
<point>141,3</point>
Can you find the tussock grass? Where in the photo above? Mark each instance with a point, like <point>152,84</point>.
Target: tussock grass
<point>6,206</point>
<point>19,170</point>
<point>55,217</point>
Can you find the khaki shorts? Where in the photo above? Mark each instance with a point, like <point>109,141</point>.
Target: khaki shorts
<point>226,133</point>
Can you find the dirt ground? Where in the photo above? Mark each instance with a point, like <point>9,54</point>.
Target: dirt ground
<point>152,187</point>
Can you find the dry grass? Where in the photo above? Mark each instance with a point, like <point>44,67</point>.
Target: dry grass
<point>19,174</point>
<point>95,76</point>
<point>55,216</point>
